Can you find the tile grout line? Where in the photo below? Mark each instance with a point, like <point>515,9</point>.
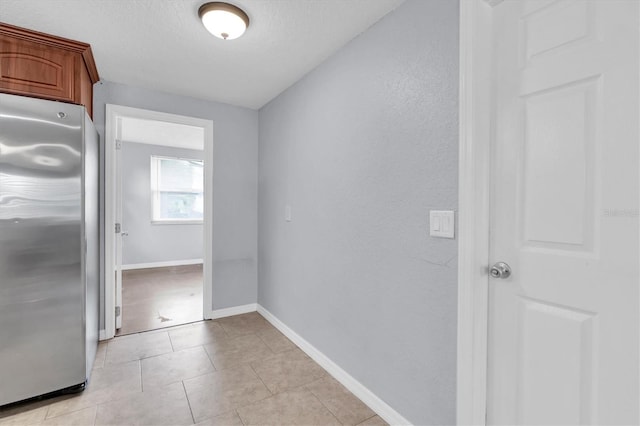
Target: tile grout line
<point>322,403</point>
<point>106,352</point>
<point>298,387</point>
<point>304,387</point>
<point>368,418</point>
<point>248,404</point>
<point>271,355</point>
<point>266,344</point>
<point>261,381</point>
<point>95,415</point>
<point>186,395</point>
<point>215,321</point>
<point>209,356</point>
<point>72,411</point>
<point>240,417</point>
<point>170,341</point>
<point>46,414</point>
<point>140,369</point>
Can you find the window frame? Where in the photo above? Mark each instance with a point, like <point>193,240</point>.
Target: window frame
<point>155,192</point>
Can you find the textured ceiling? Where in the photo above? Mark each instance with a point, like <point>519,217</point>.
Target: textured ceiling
<point>162,45</point>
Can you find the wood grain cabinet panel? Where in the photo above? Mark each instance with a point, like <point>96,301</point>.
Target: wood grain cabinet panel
<point>46,66</point>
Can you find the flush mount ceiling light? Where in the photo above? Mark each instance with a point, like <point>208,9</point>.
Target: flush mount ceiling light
<point>223,20</point>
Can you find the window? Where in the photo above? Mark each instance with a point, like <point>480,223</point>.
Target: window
<point>177,187</point>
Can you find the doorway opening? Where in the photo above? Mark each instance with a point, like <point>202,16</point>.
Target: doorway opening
<point>158,170</point>
<point>162,217</point>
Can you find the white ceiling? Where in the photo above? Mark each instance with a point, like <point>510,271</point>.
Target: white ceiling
<point>162,45</point>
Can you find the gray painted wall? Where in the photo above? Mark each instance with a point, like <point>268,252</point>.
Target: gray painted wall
<point>235,191</point>
<point>147,242</point>
<point>362,148</point>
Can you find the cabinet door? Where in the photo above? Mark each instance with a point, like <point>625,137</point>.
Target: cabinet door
<point>29,68</point>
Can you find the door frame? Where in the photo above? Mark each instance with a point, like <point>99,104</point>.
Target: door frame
<point>475,133</point>
<point>114,113</point>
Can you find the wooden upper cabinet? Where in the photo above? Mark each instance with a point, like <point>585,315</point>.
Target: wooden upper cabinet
<point>46,66</point>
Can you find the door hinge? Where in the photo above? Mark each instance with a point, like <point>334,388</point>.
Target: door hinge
<point>117,311</point>
<point>118,228</point>
<point>118,145</point>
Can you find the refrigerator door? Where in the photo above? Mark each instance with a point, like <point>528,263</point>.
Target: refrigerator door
<point>42,293</point>
<point>91,240</point>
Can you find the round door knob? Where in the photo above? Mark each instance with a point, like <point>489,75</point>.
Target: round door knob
<point>500,270</point>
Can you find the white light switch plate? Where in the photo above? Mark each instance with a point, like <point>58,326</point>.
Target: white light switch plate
<point>441,223</point>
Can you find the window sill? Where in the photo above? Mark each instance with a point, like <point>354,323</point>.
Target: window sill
<point>177,222</point>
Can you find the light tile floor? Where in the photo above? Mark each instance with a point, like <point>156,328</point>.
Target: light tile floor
<point>232,371</point>
<point>160,297</point>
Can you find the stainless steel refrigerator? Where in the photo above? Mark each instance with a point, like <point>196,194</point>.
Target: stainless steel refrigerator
<point>48,247</point>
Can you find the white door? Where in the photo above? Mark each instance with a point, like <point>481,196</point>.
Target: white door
<point>563,328</point>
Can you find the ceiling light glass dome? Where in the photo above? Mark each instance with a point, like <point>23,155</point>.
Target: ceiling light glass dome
<point>223,20</point>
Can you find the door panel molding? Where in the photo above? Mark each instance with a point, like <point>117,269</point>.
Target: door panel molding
<point>585,84</point>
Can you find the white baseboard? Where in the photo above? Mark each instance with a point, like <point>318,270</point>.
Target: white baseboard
<point>161,264</point>
<point>358,389</point>
<point>227,312</point>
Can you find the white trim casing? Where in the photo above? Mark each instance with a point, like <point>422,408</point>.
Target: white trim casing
<point>207,267</point>
<point>109,223</point>
<point>113,114</point>
<point>355,387</point>
<point>474,197</point>
<point>161,264</point>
